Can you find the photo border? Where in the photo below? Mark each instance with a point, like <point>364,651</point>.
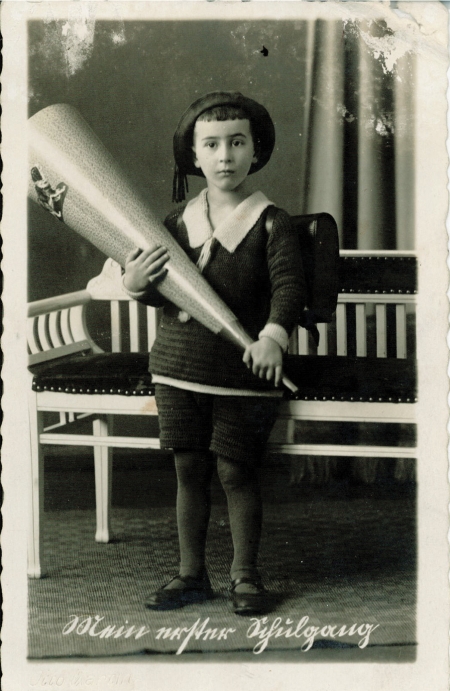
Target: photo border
<point>430,670</point>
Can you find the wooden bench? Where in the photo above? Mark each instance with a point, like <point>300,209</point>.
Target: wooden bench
<point>363,371</point>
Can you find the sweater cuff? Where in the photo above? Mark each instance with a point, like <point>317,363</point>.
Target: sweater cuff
<point>130,293</point>
<point>277,333</point>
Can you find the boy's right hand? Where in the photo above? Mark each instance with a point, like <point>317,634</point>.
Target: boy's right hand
<point>143,267</point>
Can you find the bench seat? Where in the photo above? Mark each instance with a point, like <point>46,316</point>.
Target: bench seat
<point>327,378</point>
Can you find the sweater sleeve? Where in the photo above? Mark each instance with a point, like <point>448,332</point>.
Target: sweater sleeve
<point>152,297</point>
<point>288,288</point>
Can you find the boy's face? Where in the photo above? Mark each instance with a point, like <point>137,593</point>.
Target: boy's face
<point>224,151</point>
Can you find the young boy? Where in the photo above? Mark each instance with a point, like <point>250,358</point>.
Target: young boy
<point>212,401</point>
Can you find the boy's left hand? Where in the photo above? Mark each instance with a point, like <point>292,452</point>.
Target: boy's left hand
<point>265,357</point>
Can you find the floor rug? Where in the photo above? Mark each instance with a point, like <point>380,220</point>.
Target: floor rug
<point>342,575</point>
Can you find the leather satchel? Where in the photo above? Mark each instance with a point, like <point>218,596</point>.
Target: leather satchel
<point>319,246</point>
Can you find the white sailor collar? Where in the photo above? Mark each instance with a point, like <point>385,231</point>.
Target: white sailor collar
<point>232,230</point>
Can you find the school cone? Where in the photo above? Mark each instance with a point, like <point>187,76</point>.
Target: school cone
<point>76,179</point>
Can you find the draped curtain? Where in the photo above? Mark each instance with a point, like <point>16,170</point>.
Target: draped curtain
<point>357,163</point>
<point>357,148</point>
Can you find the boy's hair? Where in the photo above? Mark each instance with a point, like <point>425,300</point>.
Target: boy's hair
<point>228,112</point>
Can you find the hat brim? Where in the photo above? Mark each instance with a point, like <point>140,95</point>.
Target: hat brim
<point>262,128</point>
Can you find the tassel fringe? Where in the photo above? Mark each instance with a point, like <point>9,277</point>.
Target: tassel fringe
<point>205,255</point>
<point>180,186</point>
<point>183,316</point>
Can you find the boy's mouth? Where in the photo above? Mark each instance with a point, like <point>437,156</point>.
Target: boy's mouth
<point>226,171</point>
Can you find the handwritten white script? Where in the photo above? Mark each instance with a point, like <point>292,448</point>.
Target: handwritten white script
<point>265,630</point>
<point>88,625</point>
<point>262,629</point>
<point>197,630</point>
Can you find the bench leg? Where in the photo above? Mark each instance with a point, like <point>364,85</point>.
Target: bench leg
<point>103,480</point>
<point>290,431</point>
<point>37,491</point>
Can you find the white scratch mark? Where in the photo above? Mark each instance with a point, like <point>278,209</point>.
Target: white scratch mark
<point>381,128</point>
<point>342,110</point>
<point>383,125</point>
<point>118,37</point>
<point>78,36</point>
<point>388,49</point>
<point>418,28</point>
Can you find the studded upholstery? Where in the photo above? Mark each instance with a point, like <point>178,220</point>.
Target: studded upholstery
<point>318,378</point>
<point>378,274</point>
<point>337,378</point>
<point>114,373</point>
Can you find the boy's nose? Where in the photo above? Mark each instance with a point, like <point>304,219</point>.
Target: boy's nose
<point>225,153</point>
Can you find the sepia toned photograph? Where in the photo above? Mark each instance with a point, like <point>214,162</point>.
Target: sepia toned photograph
<point>240,210</point>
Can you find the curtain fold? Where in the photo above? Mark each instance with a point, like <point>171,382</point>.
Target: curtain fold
<point>309,42</point>
<point>324,188</point>
<point>371,147</point>
<point>404,148</point>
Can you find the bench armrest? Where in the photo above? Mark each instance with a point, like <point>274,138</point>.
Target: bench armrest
<point>58,302</point>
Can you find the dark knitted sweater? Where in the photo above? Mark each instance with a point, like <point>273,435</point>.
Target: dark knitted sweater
<point>261,281</point>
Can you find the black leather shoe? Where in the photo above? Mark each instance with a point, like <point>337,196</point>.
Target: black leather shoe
<point>248,603</point>
<point>193,590</point>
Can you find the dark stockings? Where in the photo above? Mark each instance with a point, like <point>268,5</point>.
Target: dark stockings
<point>194,472</point>
<point>241,486</point>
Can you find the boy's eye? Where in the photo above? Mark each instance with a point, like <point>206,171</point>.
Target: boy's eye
<point>211,145</point>
<point>238,142</point>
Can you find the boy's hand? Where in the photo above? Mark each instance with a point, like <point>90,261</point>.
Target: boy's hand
<point>265,357</point>
<point>143,267</point>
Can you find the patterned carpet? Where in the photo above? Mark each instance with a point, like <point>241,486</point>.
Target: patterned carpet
<point>338,561</point>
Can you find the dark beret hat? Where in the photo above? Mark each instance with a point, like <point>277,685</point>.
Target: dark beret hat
<point>262,128</point>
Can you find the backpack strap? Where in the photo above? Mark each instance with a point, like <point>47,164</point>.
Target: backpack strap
<point>270,217</point>
<point>180,217</point>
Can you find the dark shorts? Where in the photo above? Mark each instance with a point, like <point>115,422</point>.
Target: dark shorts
<point>237,427</point>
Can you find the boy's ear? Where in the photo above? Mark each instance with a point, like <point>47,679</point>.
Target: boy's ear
<point>256,152</point>
<point>195,159</point>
